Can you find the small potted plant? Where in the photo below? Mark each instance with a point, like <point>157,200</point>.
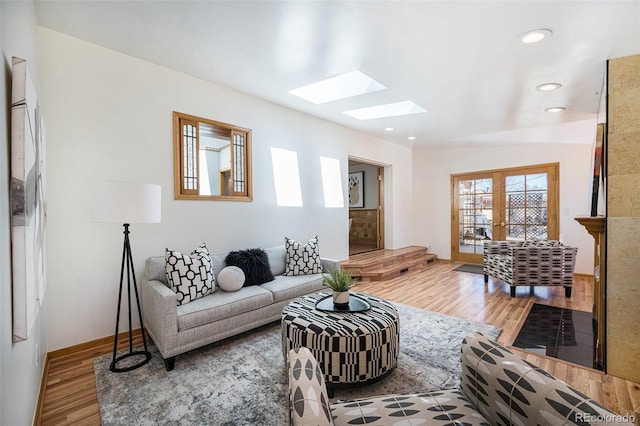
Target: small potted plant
<point>340,281</point>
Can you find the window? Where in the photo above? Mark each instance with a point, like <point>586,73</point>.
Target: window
<point>212,160</point>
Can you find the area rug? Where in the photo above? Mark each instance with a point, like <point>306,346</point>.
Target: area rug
<point>242,380</point>
<point>468,267</point>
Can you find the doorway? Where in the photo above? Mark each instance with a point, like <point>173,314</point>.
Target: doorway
<point>366,207</point>
<point>507,204</point>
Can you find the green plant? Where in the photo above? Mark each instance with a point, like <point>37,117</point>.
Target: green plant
<point>338,279</point>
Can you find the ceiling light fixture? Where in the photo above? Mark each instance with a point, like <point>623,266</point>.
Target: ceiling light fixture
<point>535,36</point>
<point>555,109</point>
<point>338,87</point>
<point>412,138</point>
<point>389,129</point>
<point>386,110</point>
<point>547,87</point>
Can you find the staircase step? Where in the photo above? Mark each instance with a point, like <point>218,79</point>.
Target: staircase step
<point>384,264</point>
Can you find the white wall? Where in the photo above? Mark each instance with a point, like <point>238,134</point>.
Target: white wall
<point>432,194</point>
<point>19,375</point>
<point>109,117</point>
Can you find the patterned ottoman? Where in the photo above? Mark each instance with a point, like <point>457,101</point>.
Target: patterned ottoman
<point>351,347</point>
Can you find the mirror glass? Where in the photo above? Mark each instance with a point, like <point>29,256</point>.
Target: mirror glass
<point>211,159</point>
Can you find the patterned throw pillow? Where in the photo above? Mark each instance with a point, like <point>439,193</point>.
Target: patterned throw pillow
<point>190,276</point>
<point>302,259</point>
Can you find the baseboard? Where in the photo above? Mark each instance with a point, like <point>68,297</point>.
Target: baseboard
<point>37,419</point>
<point>578,275</point>
<point>59,353</point>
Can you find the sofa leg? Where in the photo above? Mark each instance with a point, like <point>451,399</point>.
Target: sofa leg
<point>512,290</point>
<point>169,363</point>
<point>567,292</point>
<point>486,278</point>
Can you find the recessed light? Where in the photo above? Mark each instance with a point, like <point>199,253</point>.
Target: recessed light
<point>547,87</point>
<point>412,138</point>
<point>386,110</point>
<point>338,87</point>
<point>555,109</point>
<point>535,36</point>
<point>389,129</point>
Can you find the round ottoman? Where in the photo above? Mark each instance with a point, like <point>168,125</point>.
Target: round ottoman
<point>351,347</point>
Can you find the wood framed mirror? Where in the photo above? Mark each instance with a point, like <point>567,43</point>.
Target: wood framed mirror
<point>211,159</point>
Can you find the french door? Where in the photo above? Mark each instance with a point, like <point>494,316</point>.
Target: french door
<point>507,204</point>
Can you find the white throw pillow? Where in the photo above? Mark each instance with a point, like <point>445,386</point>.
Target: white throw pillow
<point>190,276</point>
<point>302,259</point>
<point>231,278</point>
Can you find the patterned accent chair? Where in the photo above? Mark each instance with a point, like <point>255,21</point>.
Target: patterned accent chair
<point>497,388</point>
<point>530,262</point>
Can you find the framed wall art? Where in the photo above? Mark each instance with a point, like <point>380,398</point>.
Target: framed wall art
<point>28,202</point>
<point>356,190</point>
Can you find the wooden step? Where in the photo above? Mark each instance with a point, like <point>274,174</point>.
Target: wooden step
<point>384,264</point>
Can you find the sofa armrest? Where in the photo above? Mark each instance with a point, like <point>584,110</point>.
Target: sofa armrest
<point>506,389</point>
<point>329,264</point>
<point>159,312</point>
<point>308,401</point>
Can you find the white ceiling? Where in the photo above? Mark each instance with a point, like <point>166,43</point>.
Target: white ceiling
<point>460,60</point>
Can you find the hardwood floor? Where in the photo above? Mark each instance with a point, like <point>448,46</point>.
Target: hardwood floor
<point>69,395</point>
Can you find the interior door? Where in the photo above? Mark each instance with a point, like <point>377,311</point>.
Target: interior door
<point>507,204</point>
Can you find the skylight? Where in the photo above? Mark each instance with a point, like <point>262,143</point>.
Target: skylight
<point>331,182</point>
<point>386,110</point>
<point>339,87</point>
<point>286,177</point>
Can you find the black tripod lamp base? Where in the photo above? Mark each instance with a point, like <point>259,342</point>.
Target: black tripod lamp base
<point>114,367</point>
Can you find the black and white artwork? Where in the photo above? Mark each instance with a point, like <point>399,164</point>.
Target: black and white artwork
<point>28,202</point>
<point>356,189</point>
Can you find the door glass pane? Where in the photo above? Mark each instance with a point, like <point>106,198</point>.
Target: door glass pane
<point>526,207</point>
<point>475,201</point>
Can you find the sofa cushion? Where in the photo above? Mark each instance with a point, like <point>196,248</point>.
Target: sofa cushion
<point>254,263</point>
<point>190,276</point>
<point>221,305</point>
<point>302,259</point>
<point>434,408</point>
<point>277,256</point>
<point>287,288</point>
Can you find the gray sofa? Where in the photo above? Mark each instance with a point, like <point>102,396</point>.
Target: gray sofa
<point>497,388</point>
<point>178,329</point>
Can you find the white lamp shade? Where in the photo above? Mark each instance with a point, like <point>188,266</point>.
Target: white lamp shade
<point>126,202</point>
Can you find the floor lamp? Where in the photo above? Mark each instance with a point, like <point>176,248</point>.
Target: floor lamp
<point>126,203</point>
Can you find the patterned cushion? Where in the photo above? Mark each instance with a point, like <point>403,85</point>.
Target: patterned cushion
<point>448,407</point>
<point>302,259</point>
<point>308,401</point>
<point>190,277</point>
